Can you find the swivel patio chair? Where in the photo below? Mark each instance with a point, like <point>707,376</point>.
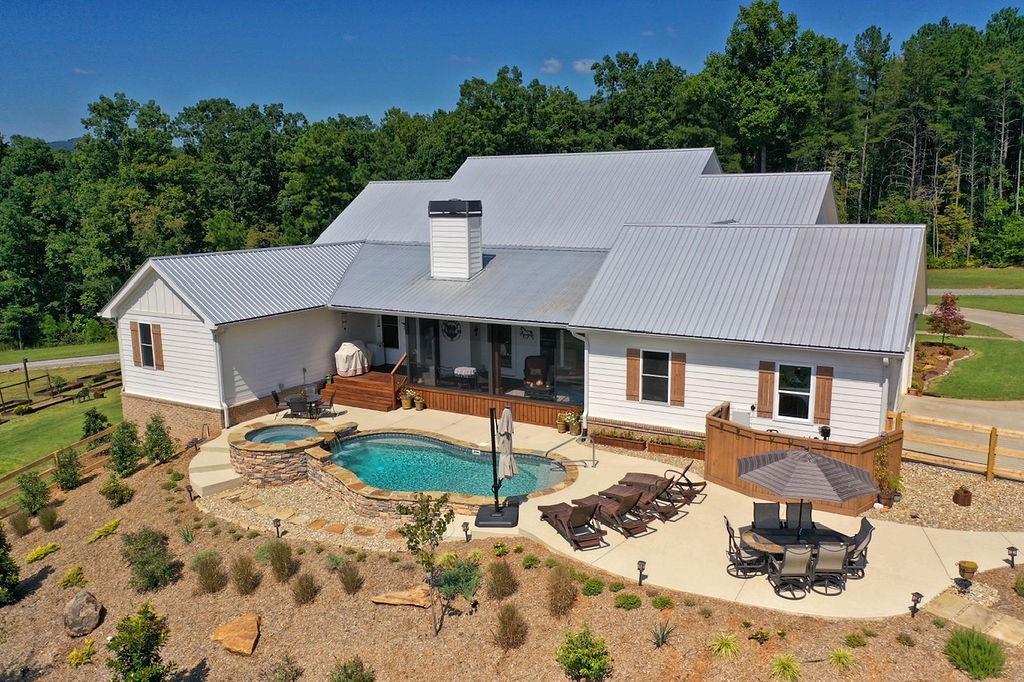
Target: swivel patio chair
<point>830,568</point>
<point>744,562</point>
<point>792,575</point>
<point>857,559</point>
<point>766,516</point>
<point>795,518</point>
<point>575,523</point>
<point>623,515</point>
<point>279,404</point>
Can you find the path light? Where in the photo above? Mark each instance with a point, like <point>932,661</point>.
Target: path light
<point>277,527</point>
<point>1012,551</point>
<point>465,529</point>
<point>640,566</point>
<point>188,489</point>
<point>916,598</point>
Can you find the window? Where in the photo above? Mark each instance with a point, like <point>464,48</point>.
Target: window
<point>794,391</point>
<point>146,344</point>
<point>389,331</point>
<point>654,376</point>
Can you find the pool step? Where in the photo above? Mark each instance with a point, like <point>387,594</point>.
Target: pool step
<point>210,459</point>
<point>210,471</point>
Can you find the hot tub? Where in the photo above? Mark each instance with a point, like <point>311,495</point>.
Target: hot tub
<point>274,453</point>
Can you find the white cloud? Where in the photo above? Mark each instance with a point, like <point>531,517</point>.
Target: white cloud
<point>460,58</point>
<point>551,65</point>
<point>78,71</point>
<point>582,65</point>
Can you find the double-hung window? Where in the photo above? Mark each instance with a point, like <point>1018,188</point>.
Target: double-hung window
<point>794,391</point>
<point>146,344</point>
<point>654,376</point>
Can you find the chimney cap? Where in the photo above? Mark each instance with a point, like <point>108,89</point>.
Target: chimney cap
<point>462,207</point>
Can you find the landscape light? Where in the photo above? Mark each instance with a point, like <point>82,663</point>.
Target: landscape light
<point>188,489</point>
<point>1012,551</point>
<point>916,598</point>
<point>465,529</point>
<point>277,527</point>
<point>640,566</point>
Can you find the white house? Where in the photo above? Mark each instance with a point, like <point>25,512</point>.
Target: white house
<point>643,288</point>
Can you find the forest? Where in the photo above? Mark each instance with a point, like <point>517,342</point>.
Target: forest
<point>929,131</point>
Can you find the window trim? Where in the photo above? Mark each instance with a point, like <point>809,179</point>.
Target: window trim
<point>668,377</point>
<point>143,345</point>
<point>779,391</point>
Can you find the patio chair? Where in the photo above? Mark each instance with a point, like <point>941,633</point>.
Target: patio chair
<point>298,406</point>
<point>792,575</point>
<point>575,523</point>
<point>656,500</point>
<point>537,377</point>
<point>278,403</point>
<point>683,481</point>
<point>766,516</point>
<point>623,515</point>
<point>797,519</point>
<point>857,559</point>
<point>743,561</point>
<point>830,568</point>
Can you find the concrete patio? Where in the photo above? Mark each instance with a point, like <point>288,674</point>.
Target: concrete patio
<point>688,554</point>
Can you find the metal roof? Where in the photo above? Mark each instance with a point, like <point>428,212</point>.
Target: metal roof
<point>826,286</point>
<point>230,286</point>
<point>518,285</point>
<point>583,200</point>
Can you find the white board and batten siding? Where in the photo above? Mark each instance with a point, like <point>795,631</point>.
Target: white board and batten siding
<point>456,247</point>
<point>189,374</point>
<point>719,372</point>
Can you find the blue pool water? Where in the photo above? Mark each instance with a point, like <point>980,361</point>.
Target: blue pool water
<point>412,463</point>
<point>281,433</point>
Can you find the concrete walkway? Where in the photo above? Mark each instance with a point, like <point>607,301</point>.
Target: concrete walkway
<point>1008,323</point>
<point>64,362</point>
<point>978,292</point>
<point>689,554</point>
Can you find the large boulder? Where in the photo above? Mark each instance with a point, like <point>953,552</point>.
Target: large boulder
<point>82,614</point>
<point>239,635</point>
<point>414,596</point>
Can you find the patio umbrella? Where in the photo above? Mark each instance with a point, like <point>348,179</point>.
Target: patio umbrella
<point>806,475</point>
<point>507,466</point>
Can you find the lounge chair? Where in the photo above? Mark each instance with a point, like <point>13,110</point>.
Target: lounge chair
<point>575,523</point>
<point>857,559</point>
<point>793,573</point>
<point>830,568</point>
<point>766,516</point>
<point>623,515</point>
<point>744,562</point>
<point>797,519</point>
<point>657,500</point>
<point>680,489</point>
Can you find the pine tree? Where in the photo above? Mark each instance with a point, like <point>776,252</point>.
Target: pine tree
<point>8,572</point>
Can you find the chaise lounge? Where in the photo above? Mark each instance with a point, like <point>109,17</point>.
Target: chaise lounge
<point>575,523</point>
<point>624,514</point>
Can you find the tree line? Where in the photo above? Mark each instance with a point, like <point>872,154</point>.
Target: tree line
<point>926,132</point>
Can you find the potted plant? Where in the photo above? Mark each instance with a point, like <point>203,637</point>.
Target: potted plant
<point>967,569</point>
<point>962,496</point>
<point>561,422</point>
<point>888,482</point>
<point>419,402</point>
<point>575,422</point>
<point>677,446</point>
<point>407,395</point>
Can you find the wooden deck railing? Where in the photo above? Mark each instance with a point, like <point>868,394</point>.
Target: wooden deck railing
<point>398,384</point>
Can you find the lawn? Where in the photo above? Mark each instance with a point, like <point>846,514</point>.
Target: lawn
<point>973,328</point>
<point>56,352</point>
<point>995,372</point>
<point>1002,304</point>
<point>976,278</point>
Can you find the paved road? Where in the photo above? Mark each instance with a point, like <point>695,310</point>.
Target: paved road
<point>64,362</point>
<point>1008,323</point>
<point>978,292</point>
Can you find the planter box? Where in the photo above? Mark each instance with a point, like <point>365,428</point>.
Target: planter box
<point>675,450</point>
<point>623,443</point>
<point>962,498</point>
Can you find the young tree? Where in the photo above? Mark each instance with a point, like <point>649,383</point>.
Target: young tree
<point>423,533</point>
<point>33,493</point>
<point>136,647</point>
<point>947,319</point>
<point>124,450</point>
<point>158,446</point>
<point>8,572</point>
<point>94,421</point>
<point>67,469</point>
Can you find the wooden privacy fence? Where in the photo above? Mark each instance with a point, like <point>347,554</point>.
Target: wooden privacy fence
<point>726,442</point>
<point>994,449</point>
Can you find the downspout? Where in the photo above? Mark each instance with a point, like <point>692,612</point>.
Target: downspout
<point>886,371</point>
<point>225,418</point>
<point>586,375</point>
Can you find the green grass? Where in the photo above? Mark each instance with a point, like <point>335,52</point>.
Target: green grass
<point>973,328</point>
<point>976,278</point>
<point>995,372</point>
<point>1001,304</point>
<point>56,352</point>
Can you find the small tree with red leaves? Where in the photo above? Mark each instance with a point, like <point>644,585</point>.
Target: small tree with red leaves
<point>946,318</point>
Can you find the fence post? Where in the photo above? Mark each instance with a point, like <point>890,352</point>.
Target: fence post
<point>993,439</point>
<point>899,421</point>
<point>28,393</point>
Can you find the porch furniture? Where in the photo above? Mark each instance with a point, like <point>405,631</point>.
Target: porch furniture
<point>575,523</point>
<point>681,488</point>
<point>792,574</point>
<point>537,377</point>
<point>799,515</point>
<point>278,403</point>
<point>655,500</point>
<point>775,541</point>
<point>623,515</point>
<point>830,568</point>
<point>857,559</point>
<point>744,562</point>
<point>766,516</point>
<point>352,359</point>
<point>298,406</point>
<point>465,377</point>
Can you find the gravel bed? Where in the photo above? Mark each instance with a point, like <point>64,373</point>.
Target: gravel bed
<point>1001,581</point>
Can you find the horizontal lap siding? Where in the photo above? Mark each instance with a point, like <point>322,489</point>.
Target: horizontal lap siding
<point>717,372</point>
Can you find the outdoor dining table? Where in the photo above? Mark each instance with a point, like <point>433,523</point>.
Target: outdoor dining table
<point>771,541</point>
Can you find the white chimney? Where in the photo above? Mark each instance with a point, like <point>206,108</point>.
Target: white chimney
<point>456,243</point>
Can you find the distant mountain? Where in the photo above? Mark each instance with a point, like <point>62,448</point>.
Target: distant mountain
<point>64,144</point>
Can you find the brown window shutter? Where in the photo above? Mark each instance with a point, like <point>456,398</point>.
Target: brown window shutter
<point>766,389</point>
<point>823,395</point>
<point>632,374</point>
<point>136,348</point>
<point>158,346</point>
<point>677,379</point>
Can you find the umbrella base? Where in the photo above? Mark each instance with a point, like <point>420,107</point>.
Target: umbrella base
<point>506,517</point>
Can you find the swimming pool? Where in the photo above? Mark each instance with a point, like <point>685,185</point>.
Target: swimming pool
<point>414,463</point>
<point>281,434</point>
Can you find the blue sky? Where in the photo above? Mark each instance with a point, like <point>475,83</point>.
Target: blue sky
<point>355,58</point>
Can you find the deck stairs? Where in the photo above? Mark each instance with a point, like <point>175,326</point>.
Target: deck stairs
<point>210,471</point>
<point>371,391</point>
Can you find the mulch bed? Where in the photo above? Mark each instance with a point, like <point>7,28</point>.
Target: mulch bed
<point>397,641</point>
<point>933,360</point>
<point>1002,579</point>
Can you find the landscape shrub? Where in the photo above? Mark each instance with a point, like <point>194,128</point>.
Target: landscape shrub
<point>550,562</point>
<point>351,580</point>
<point>82,394</point>
<point>33,493</point>
<point>157,444</point>
<point>209,571</point>
<point>661,602</point>
<point>305,588</point>
<point>584,656</point>
<point>512,628</point>
<point>8,572</point>
<point>22,410</point>
<point>136,647</point>
<point>82,655</point>
<point>661,633</point>
<point>20,523</point>
<point>244,575</point>
<point>152,564</point>
<point>855,640</point>
<point>186,534</point>
<point>976,654</point>
<point>282,565</point>
<point>616,586</point>
<point>41,552</point>
<point>462,579</point>
<point>1018,584</point>
<point>57,383</point>
<point>67,469</point>
<point>592,587</point>
<point>47,518</point>
<point>705,612</point>
<point>500,549</point>
<point>284,670</point>
<point>562,591</point>
<point>93,421</point>
<point>905,639</point>
<point>352,670</point>
<point>842,660</point>
<point>628,601</point>
<point>501,582</point>
<point>116,491</point>
<point>108,528</point>
<point>124,449</point>
<point>725,646</point>
<point>73,578</point>
<point>531,561</point>
<point>785,667</point>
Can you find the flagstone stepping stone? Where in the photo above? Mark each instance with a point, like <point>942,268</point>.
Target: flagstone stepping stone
<point>365,531</point>
<point>239,635</point>
<point>338,528</point>
<point>316,524</point>
<point>265,510</point>
<point>285,514</point>
<point>250,503</point>
<point>418,596</point>
<point>393,535</point>
<point>299,520</point>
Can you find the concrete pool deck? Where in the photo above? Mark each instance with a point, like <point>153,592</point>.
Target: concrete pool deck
<point>688,554</point>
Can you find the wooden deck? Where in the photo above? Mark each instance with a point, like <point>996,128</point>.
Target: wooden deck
<point>373,390</point>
